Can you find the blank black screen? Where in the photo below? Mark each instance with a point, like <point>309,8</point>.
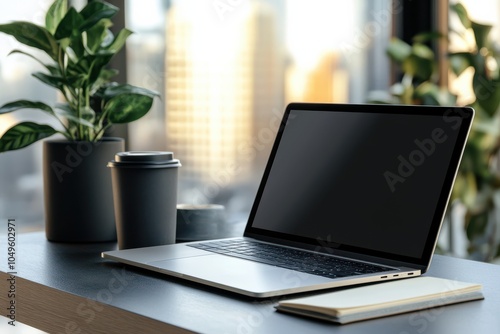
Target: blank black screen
<point>369,180</point>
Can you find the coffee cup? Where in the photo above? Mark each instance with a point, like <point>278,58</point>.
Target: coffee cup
<point>145,197</point>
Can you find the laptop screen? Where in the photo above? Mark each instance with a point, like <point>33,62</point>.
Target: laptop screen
<point>372,179</point>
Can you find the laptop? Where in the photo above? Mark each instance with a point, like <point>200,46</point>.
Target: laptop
<point>351,194</point>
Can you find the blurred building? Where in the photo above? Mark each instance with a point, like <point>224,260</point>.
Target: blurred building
<point>222,94</point>
<point>328,81</point>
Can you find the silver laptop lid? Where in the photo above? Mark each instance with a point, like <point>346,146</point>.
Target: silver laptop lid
<point>372,180</point>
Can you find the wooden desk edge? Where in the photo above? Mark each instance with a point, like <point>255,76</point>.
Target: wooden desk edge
<point>60,312</point>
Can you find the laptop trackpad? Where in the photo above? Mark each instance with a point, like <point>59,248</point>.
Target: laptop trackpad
<point>236,274</point>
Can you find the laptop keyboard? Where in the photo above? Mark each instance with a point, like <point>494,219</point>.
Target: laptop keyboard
<point>306,262</point>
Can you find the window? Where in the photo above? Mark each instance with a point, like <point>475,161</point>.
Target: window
<point>226,70</point>
<point>21,194</point>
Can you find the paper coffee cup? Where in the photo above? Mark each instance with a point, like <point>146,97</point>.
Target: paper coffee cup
<point>145,198</point>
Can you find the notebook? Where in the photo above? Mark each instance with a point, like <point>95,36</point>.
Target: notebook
<point>351,194</point>
<point>384,299</point>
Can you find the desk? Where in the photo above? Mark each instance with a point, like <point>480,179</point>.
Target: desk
<point>68,288</point>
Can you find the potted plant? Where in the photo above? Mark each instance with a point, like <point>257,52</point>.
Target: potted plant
<point>79,46</point>
<point>477,186</point>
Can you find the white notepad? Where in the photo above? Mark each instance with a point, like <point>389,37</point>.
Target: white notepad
<point>378,300</point>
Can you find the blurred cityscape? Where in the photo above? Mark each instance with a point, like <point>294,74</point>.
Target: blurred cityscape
<point>225,71</point>
<point>230,70</point>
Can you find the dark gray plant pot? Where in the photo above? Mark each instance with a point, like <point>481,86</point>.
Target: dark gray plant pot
<point>77,190</point>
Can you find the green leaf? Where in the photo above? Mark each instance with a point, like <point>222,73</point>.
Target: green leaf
<point>398,50</point>
<point>55,14</point>
<point>69,25</point>
<point>422,51</point>
<point>25,104</point>
<point>106,75</point>
<point>97,65</point>
<point>119,41</point>
<point>87,113</point>
<point>481,33</point>
<point>465,189</point>
<point>477,162</point>
<point>479,64</point>
<point>470,193</point>
<point>97,34</point>
<point>491,127</point>
<point>32,35</point>
<point>427,93</point>
<point>24,134</point>
<point>460,10</point>
<point>51,80</point>
<point>460,61</point>
<point>65,111</point>
<point>114,90</point>
<point>54,70</point>
<point>428,36</point>
<point>127,108</point>
<point>407,96</point>
<point>27,54</point>
<point>87,70</point>
<point>487,93</point>
<point>477,224</point>
<point>381,97</point>
<point>96,11</point>
<point>68,33</point>
<point>431,94</point>
<point>418,67</point>
<point>80,67</point>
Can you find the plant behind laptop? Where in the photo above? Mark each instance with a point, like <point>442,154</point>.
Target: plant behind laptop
<point>477,185</point>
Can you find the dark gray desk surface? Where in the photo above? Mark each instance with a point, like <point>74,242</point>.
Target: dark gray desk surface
<point>76,272</point>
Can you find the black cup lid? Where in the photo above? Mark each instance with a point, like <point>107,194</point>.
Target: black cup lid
<point>145,158</point>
